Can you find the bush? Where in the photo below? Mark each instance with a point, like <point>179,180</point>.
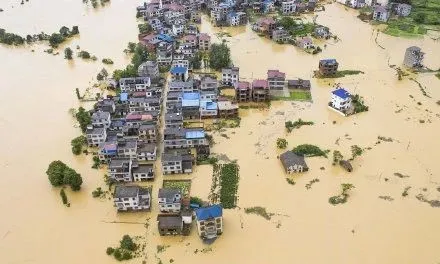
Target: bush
<point>309,150</point>
<point>64,197</point>
<point>97,193</point>
<point>107,61</point>
<point>281,143</point>
<point>96,162</point>
<point>127,255</point>
<point>127,243</point>
<point>297,124</point>
<point>196,200</point>
<point>84,119</point>
<point>68,53</point>
<point>77,144</point>
<point>84,54</point>
<point>118,254</point>
<point>110,250</point>
<point>356,151</point>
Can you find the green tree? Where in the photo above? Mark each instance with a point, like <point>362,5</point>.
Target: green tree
<point>287,23</point>
<point>282,143</point>
<point>64,197</point>
<point>196,61</point>
<point>140,55</point>
<point>68,53</point>
<point>127,243</point>
<point>219,56</point>
<point>420,18</point>
<point>84,119</point>
<point>110,250</point>
<point>356,151</point>
<point>75,30</point>
<point>144,28</point>
<point>55,39</point>
<point>64,31</point>
<point>55,171</point>
<point>118,254</point>
<point>84,54</point>
<point>72,178</point>
<point>131,47</point>
<point>77,144</point>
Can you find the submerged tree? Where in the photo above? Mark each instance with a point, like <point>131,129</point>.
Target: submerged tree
<point>68,53</point>
<point>219,56</point>
<point>83,118</point>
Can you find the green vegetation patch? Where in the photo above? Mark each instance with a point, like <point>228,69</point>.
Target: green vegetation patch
<point>281,143</point>
<point>297,124</point>
<point>228,179</point>
<point>341,198</point>
<point>183,185</point>
<point>125,251</point>
<point>296,95</point>
<point>60,174</point>
<point>258,210</point>
<point>309,150</point>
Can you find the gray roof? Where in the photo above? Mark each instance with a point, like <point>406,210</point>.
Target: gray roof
<point>180,84</point>
<point>289,158</point>
<point>147,127</point>
<point>173,117</point>
<point>122,191</point>
<point>169,221</point>
<point>175,94</point>
<point>150,147</point>
<point>171,157</point>
<point>127,144</point>
<point>100,115</point>
<point>119,162</point>
<point>177,132</point>
<point>169,194</point>
<point>95,131</point>
<point>143,168</point>
<point>299,83</point>
<point>149,100</point>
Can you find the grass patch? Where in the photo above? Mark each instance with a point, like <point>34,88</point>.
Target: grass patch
<point>183,185</point>
<point>309,150</point>
<point>228,184</point>
<point>258,210</point>
<point>341,198</point>
<point>297,95</point>
<point>297,124</point>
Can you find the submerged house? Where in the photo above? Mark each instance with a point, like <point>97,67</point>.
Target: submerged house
<point>260,90</point>
<point>328,67</point>
<point>176,163</point>
<point>341,99</point>
<point>293,162</point>
<point>230,76</point>
<point>95,135</point>
<point>413,57</point>
<point>299,84</point>
<point>276,79</point>
<point>132,197</point>
<point>226,109</point>
<point>243,92</point>
<point>170,200</point>
<point>209,221</point>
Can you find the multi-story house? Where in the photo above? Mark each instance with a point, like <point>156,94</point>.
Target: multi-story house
<point>106,105</point>
<point>148,133</point>
<point>190,40</point>
<point>288,7</point>
<point>226,109</point>
<point>142,172</point>
<point>191,105</point>
<point>341,99</point>
<point>95,135</point>
<point>173,120</point>
<point>280,35</point>
<point>276,79</point>
<point>176,163</point>
<point>328,67</point>
<point>208,83</point>
<point>180,63</point>
<point>149,69</point>
<point>179,86</point>
<point>260,90</point>
<point>178,29</point>
<point>208,96</point>
<point>146,151</point>
<point>127,148</point>
<point>204,41</point>
<point>101,119</point>
<point>208,109</point>
<point>179,73</point>
<point>230,76</point>
<point>134,84</point>
<point>243,92</point>
<point>141,104</point>
<point>184,138</point>
<point>164,53</point>
<point>170,200</point>
<point>413,57</point>
<point>209,221</point>
<point>133,197</point>
<point>119,169</point>
<point>108,151</point>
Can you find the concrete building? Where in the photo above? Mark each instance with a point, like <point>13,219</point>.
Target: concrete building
<point>170,200</point>
<point>95,136</point>
<point>127,198</point>
<point>341,99</point>
<point>276,79</point>
<point>413,57</point>
<point>230,76</point>
<point>149,69</point>
<point>243,92</point>
<point>293,162</point>
<point>209,221</point>
<point>328,67</point>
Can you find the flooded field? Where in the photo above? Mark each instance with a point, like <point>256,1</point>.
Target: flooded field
<point>38,90</point>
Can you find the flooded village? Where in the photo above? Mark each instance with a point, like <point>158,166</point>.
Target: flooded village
<point>314,141</point>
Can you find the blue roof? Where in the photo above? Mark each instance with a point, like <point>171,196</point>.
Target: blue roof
<point>178,70</point>
<point>232,14</point>
<point>191,96</point>
<point>328,61</point>
<point>212,211</point>
<point>208,105</point>
<point>194,134</point>
<point>124,97</point>
<point>165,37</point>
<point>342,93</point>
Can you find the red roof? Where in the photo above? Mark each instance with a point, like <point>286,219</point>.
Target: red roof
<point>190,38</point>
<point>243,85</point>
<point>174,7</point>
<point>204,36</point>
<point>260,84</point>
<point>275,74</point>
<point>266,20</point>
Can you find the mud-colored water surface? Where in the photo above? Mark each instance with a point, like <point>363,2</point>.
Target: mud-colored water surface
<point>37,91</point>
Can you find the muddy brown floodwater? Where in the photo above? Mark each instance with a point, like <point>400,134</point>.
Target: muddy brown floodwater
<point>37,90</point>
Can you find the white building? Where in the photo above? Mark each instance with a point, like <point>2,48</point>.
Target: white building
<point>209,221</point>
<point>143,172</point>
<point>178,29</point>
<point>95,136</point>
<point>288,7</point>
<point>341,99</point>
<point>169,200</point>
<point>101,119</point>
<point>230,76</point>
<point>134,84</point>
<point>133,197</point>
